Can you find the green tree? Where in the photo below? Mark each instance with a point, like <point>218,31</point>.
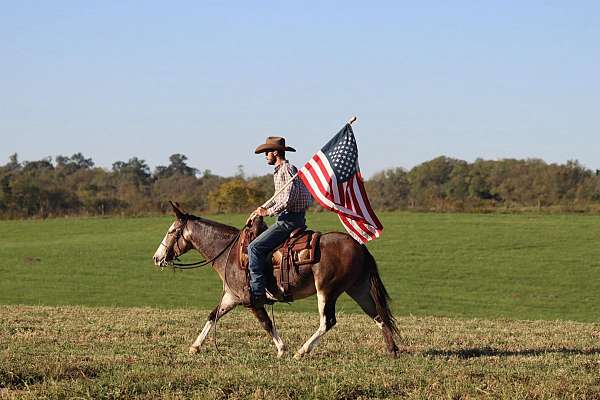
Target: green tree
<point>235,195</point>
<point>389,189</point>
<point>177,166</point>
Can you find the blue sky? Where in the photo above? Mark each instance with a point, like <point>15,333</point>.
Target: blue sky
<point>211,80</point>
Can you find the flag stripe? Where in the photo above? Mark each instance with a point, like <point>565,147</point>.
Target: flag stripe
<point>327,173</point>
<point>353,230</point>
<point>342,194</point>
<point>323,171</point>
<point>362,208</point>
<point>334,184</point>
<point>319,179</point>
<point>363,195</point>
<point>367,228</point>
<point>364,227</point>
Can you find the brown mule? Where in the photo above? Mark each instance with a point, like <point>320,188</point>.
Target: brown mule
<point>344,266</point>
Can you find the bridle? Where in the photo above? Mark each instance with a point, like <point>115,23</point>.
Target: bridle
<point>197,264</point>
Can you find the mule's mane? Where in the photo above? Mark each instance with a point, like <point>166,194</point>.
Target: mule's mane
<point>221,228</point>
<point>209,237</point>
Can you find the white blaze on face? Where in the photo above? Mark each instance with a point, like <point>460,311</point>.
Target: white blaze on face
<point>161,252</point>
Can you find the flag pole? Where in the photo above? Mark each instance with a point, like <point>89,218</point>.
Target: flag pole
<point>288,183</point>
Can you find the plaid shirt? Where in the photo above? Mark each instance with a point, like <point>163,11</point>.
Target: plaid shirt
<point>294,198</point>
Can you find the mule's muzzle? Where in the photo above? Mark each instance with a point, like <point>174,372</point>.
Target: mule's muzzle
<point>162,262</point>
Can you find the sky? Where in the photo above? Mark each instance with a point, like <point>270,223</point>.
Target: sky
<point>212,79</point>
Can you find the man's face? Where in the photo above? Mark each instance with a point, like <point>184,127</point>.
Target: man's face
<point>271,157</point>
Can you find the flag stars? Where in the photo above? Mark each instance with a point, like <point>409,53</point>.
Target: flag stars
<point>342,155</point>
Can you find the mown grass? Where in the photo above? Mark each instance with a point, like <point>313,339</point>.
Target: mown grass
<point>524,266</point>
<point>79,352</point>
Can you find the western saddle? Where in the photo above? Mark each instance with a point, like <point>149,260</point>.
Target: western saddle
<point>290,260</point>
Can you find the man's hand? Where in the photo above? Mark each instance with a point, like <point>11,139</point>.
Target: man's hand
<point>261,212</point>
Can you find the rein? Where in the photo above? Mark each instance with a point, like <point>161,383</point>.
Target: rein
<point>202,263</point>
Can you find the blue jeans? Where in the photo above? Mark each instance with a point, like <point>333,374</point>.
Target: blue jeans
<point>266,242</point>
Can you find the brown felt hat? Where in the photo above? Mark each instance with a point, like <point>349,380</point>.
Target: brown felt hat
<point>273,143</point>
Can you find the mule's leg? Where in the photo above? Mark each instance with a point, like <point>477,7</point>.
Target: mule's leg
<point>228,303</point>
<point>263,317</point>
<point>327,321</point>
<point>360,294</point>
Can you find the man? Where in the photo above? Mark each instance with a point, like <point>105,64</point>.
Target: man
<point>290,206</point>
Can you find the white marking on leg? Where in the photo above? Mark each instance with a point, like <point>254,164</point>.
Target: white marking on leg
<point>314,340</point>
<point>205,331</point>
<point>316,337</point>
<point>228,302</point>
<point>281,348</point>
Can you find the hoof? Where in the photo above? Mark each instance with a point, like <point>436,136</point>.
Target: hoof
<point>394,353</point>
<point>298,356</point>
<point>281,351</point>
<point>193,350</point>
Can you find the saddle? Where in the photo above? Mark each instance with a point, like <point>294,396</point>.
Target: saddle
<point>290,260</point>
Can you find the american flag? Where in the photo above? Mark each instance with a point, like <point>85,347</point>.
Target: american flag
<point>334,180</point>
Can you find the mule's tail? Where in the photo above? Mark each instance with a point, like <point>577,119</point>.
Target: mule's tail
<point>378,293</point>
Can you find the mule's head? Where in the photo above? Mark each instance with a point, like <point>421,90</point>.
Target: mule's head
<point>176,241</point>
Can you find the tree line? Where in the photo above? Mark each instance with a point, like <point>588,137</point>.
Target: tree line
<point>75,186</point>
<point>447,184</point>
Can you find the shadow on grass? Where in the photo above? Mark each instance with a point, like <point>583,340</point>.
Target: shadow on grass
<point>491,352</point>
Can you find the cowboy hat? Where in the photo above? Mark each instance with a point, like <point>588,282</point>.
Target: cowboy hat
<point>273,143</point>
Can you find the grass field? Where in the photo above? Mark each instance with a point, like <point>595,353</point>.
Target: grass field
<point>87,315</point>
<point>77,352</point>
<point>453,265</point>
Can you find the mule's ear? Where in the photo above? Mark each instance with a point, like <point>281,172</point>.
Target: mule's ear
<point>180,208</point>
<point>178,213</point>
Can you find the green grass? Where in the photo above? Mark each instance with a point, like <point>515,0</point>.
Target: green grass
<point>453,265</point>
<point>76,352</point>
<point>463,286</point>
